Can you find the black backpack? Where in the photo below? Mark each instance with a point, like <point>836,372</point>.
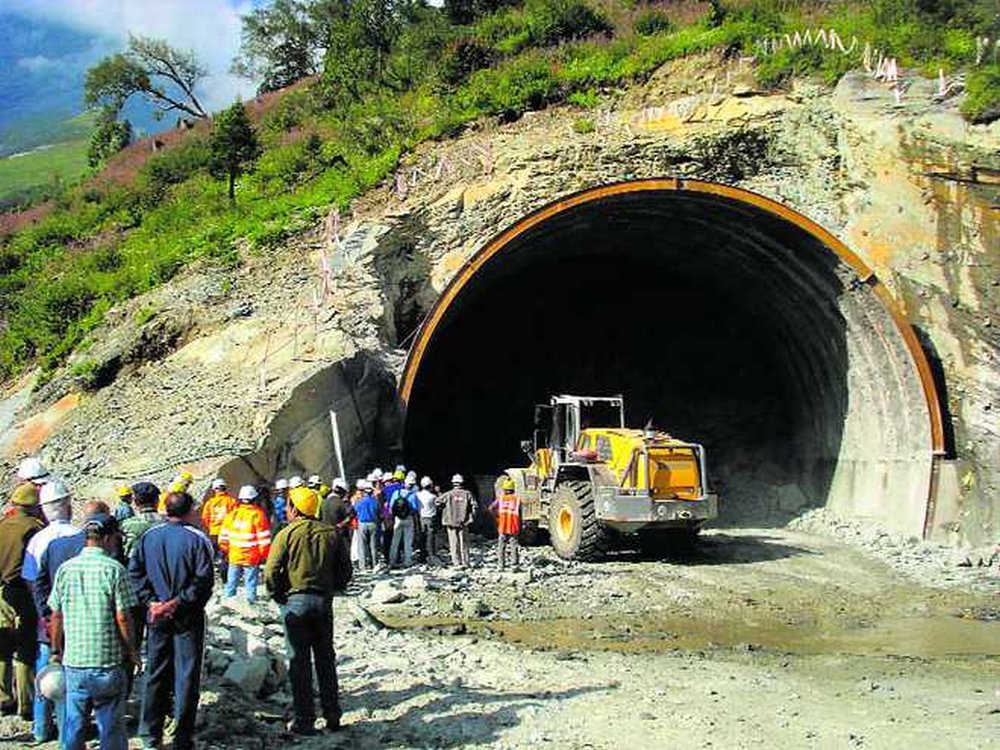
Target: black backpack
<point>401,506</point>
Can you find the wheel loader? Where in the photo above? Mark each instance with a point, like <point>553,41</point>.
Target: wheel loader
<point>592,481</point>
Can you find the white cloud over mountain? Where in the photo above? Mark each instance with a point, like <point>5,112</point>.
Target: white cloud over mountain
<point>211,28</point>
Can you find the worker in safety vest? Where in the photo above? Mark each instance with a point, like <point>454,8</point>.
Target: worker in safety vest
<point>213,513</point>
<point>507,507</point>
<point>245,539</point>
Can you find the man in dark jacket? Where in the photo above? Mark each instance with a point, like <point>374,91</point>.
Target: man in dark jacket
<point>171,570</point>
<point>308,562</point>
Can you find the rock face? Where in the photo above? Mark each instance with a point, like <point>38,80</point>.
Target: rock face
<point>244,381</point>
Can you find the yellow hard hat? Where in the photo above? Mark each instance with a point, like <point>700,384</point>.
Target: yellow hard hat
<point>507,484</point>
<point>124,491</point>
<point>176,487</point>
<point>399,474</point>
<point>305,500</point>
<point>186,476</point>
<point>25,495</point>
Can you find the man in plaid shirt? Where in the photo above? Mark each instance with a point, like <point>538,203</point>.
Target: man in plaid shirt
<point>91,602</point>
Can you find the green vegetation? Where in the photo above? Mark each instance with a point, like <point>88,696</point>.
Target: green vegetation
<point>40,174</point>
<point>395,74</point>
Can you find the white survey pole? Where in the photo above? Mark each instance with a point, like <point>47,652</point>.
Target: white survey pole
<point>336,443</point>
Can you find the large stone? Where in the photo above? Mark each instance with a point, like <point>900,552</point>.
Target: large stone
<point>385,592</point>
<point>248,674</point>
<point>415,583</point>
<point>248,627</point>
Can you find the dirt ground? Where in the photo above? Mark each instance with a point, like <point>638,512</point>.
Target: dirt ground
<point>757,638</point>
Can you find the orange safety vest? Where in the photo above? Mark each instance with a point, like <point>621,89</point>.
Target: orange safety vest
<point>214,512</point>
<point>509,514</point>
<point>246,535</point>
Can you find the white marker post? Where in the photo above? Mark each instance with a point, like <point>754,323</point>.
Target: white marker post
<point>336,443</point>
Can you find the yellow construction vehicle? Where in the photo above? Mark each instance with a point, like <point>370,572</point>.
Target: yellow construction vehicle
<point>592,480</point>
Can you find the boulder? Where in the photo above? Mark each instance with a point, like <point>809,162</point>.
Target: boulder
<point>415,583</point>
<point>248,674</point>
<point>385,592</point>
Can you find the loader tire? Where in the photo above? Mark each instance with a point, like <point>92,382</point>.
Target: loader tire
<point>574,530</point>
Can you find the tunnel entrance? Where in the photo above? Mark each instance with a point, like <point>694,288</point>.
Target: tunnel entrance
<point>721,316</point>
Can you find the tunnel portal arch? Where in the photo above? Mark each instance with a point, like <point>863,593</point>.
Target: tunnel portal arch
<point>721,314</point>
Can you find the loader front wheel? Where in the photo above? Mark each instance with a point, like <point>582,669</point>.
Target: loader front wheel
<point>574,530</point>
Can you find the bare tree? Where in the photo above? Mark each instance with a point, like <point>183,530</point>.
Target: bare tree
<point>166,77</point>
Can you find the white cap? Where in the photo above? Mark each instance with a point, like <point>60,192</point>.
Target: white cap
<point>376,475</point>
<point>364,484</point>
<point>340,484</point>
<point>315,480</point>
<point>52,491</point>
<point>411,479</point>
<point>248,492</point>
<point>457,479</point>
<point>31,469</point>
<point>295,481</point>
<point>218,483</point>
<point>426,482</point>
<point>372,477</point>
<point>281,484</point>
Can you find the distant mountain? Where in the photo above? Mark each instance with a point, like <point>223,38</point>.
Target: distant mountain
<point>42,70</point>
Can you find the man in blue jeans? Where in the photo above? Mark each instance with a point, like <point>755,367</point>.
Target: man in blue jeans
<point>171,570</point>
<point>91,604</point>
<point>309,561</point>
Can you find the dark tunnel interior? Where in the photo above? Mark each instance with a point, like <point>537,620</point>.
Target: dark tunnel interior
<point>715,319</point>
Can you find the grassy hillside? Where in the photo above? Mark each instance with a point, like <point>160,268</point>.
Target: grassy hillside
<point>26,178</point>
<point>328,141</point>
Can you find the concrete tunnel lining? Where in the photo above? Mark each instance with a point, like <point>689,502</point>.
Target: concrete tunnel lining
<point>835,382</point>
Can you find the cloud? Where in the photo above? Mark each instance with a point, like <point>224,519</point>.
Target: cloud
<point>36,64</point>
<point>211,28</point>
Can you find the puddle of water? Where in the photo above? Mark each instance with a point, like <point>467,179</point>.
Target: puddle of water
<point>933,637</point>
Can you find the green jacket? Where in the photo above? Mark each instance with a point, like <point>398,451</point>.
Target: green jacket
<point>307,556</point>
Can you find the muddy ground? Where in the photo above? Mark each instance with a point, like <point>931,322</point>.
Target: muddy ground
<point>759,637</point>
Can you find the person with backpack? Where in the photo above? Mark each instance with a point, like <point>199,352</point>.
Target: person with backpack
<point>402,511</point>
<point>309,562</point>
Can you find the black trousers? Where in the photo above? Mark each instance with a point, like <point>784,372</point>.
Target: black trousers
<point>174,655</point>
<point>309,632</point>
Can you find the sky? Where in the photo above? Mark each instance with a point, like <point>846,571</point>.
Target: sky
<point>49,44</point>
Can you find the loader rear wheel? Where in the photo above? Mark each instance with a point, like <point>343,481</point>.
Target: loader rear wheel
<point>574,530</point>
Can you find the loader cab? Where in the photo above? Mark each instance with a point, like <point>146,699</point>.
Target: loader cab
<point>558,425</point>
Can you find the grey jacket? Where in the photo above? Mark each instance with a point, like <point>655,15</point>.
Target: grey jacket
<point>458,508</point>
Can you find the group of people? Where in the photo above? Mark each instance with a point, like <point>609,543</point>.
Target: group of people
<point>126,590</point>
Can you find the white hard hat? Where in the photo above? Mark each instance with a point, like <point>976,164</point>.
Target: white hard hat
<point>377,475</point>
<point>31,469</point>
<point>339,484</point>
<point>457,479</point>
<point>295,481</point>
<point>218,483</point>
<point>51,682</point>
<point>426,482</point>
<point>315,481</point>
<point>410,480</point>
<point>248,492</point>
<point>400,467</point>
<point>52,491</point>
<point>364,484</point>
<point>281,484</point>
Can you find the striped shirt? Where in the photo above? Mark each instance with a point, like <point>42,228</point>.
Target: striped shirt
<point>89,590</point>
